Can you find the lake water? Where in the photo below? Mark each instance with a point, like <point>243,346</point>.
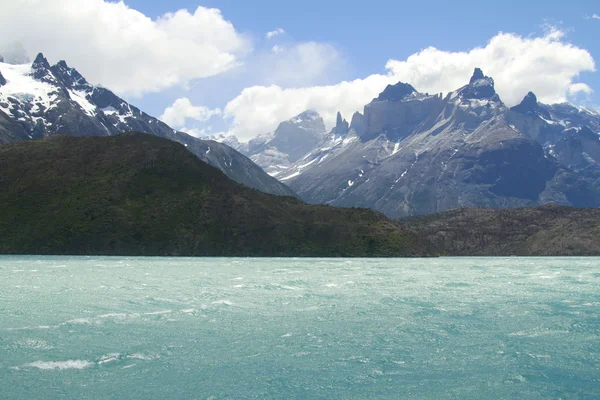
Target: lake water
<point>185,328</point>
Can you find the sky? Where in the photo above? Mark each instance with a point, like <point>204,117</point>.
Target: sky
<point>241,67</point>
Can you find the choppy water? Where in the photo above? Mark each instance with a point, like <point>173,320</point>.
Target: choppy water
<point>166,328</point>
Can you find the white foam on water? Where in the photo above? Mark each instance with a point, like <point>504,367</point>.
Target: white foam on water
<point>27,328</point>
<point>36,344</point>
<point>159,312</point>
<point>225,302</point>
<point>188,311</point>
<point>60,365</point>
<point>109,358</point>
<point>138,356</point>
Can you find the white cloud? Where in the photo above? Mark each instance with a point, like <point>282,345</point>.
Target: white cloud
<point>202,132</point>
<point>577,88</point>
<point>121,48</point>
<point>183,109</point>
<point>305,63</point>
<point>277,49</point>
<point>276,32</point>
<point>594,16</point>
<point>546,65</point>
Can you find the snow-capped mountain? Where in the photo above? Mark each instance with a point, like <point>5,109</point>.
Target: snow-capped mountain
<point>411,153</point>
<point>39,100</point>
<point>277,151</point>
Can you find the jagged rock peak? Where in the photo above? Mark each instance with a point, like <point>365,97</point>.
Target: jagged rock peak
<point>2,80</point>
<point>528,105</point>
<point>69,76</point>
<point>1,58</point>
<point>308,115</point>
<point>396,92</point>
<point>479,87</point>
<point>341,125</point>
<point>477,75</point>
<point>40,62</point>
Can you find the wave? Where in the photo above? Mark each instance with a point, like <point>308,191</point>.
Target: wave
<point>60,365</point>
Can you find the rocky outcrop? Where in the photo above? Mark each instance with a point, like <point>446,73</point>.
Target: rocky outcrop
<point>543,231</point>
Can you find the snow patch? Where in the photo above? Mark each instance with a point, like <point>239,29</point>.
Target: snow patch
<point>80,98</point>
<point>295,174</point>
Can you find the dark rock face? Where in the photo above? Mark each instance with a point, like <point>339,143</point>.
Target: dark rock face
<point>424,154</point>
<point>40,68</point>
<point>341,125</point>
<point>477,75</point>
<point>77,108</point>
<point>479,87</point>
<point>396,92</point>
<point>2,79</point>
<point>543,231</point>
<point>529,105</point>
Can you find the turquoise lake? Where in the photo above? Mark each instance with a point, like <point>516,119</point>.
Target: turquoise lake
<point>219,328</point>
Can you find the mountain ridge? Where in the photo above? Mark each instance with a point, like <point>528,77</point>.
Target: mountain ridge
<point>412,153</point>
<point>39,100</point>
<point>137,194</point>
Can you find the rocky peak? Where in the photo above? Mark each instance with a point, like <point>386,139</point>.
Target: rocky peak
<point>341,125</point>
<point>40,67</point>
<point>306,116</point>
<point>479,87</point>
<point>1,58</point>
<point>309,119</point>
<point>40,62</point>
<point>2,80</point>
<point>396,92</point>
<point>358,122</point>
<point>70,77</point>
<point>477,75</point>
<point>529,105</point>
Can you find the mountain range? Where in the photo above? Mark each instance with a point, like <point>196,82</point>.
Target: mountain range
<point>412,153</point>
<point>41,100</point>
<point>408,153</point>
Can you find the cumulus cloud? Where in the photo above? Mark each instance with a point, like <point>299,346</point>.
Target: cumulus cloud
<point>276,32</point>
<point>277,49</point>
<point>182,110</point>
<point>121,48</point>
<point>546,65</point>
<point>594,16</point>
<point>305,63</point>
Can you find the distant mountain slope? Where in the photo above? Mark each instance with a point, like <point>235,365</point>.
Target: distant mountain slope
<point>40,100</point>
<point>277,151</point>
<point>137,194</point>
<point>543,231</point>
<point>414,153</point>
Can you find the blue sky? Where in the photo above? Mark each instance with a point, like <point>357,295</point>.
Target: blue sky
<point>370,33</point>
<point>324,43</point>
